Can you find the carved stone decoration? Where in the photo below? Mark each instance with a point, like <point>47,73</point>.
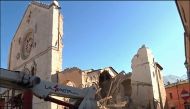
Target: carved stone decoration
<point>18,56</point>
<point>26,46</point>
<point>28,18</point>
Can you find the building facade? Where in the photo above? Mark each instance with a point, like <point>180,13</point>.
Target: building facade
<point>178,95</point>
<point>36,49</point>
<point>184,12</point>
<point>183,7</point>
<point>147,81</point>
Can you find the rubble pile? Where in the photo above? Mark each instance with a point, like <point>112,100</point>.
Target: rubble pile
<point>114,92</point>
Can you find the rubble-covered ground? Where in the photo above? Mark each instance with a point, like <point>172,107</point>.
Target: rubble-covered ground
<point>115,93</point>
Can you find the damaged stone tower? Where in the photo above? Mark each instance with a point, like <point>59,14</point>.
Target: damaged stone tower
<point>148,90</point>
<point>37,47</point>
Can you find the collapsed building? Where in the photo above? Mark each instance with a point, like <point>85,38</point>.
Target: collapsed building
<point>143,88</point>
<point>113,89</point>
<point>37,50</point>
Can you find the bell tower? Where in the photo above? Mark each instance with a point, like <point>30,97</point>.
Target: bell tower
<point>147,80</point>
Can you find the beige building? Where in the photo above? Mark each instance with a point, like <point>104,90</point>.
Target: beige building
<point>147,81</point>
<point>36,49</point>
<point>82,78</point>
<point>183,7</point>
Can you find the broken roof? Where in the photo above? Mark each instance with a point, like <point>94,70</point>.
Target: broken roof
<point>46,6</point>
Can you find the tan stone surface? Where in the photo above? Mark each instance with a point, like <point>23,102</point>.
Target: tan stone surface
<point>147,80</point>
<point>40,52</point>
<point>71,75</point>
<point>114,85</point>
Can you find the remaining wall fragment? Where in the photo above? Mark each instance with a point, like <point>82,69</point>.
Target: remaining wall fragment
<point>115,92</point>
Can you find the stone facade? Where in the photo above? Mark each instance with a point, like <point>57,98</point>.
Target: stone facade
<point>147,81</point>
<point>183,9</point>
<point>37,45</point>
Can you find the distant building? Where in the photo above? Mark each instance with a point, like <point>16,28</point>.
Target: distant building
<point>147,81</point>
<point>183,7</point>
<point>178,95</point>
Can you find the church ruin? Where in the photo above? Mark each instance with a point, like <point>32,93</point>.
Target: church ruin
<point>36,49</point>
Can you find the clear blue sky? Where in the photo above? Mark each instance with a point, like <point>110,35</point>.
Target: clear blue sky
<point>109,33</point>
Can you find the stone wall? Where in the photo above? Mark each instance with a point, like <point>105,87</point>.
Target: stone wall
<point>147,81</point>
<point>37,45</point>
